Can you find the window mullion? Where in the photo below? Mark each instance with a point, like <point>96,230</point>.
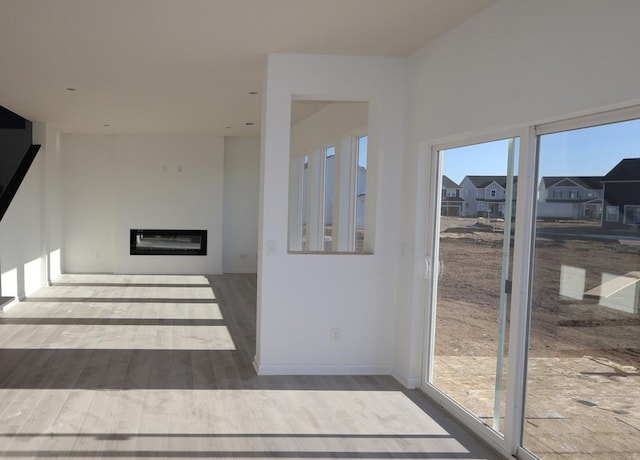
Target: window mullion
<point>315,209</point>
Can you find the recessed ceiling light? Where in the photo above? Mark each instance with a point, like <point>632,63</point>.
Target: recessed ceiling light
<point>71,89</point>
<point>253,93</point>
<point>106,125</point>
<point>249,124</point>
<point>227,127</point>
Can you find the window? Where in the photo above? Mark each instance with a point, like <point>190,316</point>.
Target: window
<point>493,193</point>
<point>557,194</point>
<point>472,266</point>
<point>612,214</point>
<point>328,177</point>
<point>632,215</point>
<point>573,194</point>
<point>452,193</point>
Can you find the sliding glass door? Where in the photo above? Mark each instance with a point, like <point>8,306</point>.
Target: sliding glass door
<point>583,385</point>
<point>533,337</point>
<point>472,280</point>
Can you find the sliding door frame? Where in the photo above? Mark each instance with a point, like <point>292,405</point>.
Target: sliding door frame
<point>511,442</point>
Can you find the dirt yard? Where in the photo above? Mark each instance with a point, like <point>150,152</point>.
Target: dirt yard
<point>578,349</point>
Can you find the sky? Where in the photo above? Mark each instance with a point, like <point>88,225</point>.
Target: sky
<point>583,152</point>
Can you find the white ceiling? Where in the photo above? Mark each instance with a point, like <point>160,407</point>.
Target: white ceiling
<point>176,66</point>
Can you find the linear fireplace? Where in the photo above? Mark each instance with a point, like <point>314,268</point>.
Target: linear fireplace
<point>150,242</point>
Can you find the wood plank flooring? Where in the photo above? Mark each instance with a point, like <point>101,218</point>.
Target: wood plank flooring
<point>107,366</point>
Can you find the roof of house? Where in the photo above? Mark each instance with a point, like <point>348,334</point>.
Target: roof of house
<point>590,182</point>
<point>627,170</point>
<point>448,183</point>
<point>483,181</point>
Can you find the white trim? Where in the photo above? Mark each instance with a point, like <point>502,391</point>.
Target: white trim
<point>594,119</point>
<point>302,369</point>
<point>423,250</point>
<point>248,270</point>
<point>464,140</point>
<point>434,175</point>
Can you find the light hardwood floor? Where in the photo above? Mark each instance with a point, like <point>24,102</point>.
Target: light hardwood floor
<point>106,366</point>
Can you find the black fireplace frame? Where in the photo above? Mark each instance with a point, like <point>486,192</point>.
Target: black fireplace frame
<point>136,250</point>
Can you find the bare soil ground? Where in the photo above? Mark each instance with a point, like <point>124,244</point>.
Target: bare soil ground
<point>577,348</point>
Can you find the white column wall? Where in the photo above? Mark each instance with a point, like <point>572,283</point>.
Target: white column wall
<point>302,297</point>
<point>88,190</point>
<point>516,63</point>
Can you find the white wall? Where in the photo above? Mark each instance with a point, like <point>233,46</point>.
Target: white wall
<point>88,171</point>
<point>516,63</point>
<point>240,207</point>
<point>114,183</point>
<point>328,125</point>
<point>301,297</point>
<point>30,231</point>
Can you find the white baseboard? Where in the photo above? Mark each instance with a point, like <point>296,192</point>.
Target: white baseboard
<point>240,270</point>
<point>408,382</point>
<point>277,369</point>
